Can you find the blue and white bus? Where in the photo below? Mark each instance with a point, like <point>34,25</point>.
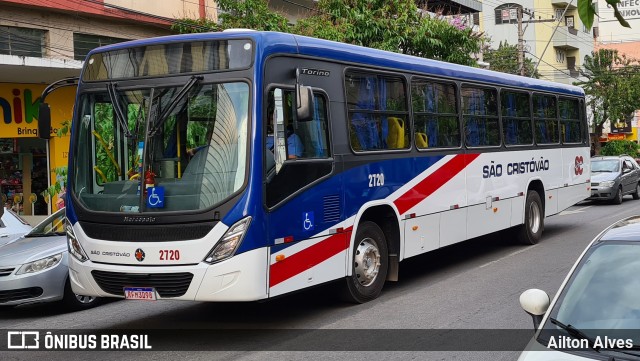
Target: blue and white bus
<point>239,166</point>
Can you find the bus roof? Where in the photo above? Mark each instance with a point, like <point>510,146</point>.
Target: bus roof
<point>278,43</point>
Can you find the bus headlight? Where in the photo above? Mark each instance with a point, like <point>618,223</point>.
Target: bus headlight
<point>74,246</point>
<point>229,242</point>
<point>41,264</point>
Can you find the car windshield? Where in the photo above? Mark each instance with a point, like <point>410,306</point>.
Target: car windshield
<point>161,149</point>
<point>608,165</point>
<point>52,226</point>
<point>602,296</point>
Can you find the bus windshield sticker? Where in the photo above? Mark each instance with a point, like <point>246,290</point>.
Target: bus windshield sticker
<point>307,221</point>
<point>155,197</point>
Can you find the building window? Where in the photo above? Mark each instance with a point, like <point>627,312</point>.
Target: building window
<point>560,56</point>
<point>84,43</point>
<point>21,41</point>
<point>569,21</point>
<point>507,14</point>
<point>559,13</point>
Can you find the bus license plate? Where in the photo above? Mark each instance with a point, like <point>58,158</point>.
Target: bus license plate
<point>140,293</point>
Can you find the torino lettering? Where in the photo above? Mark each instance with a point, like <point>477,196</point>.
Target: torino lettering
<point>532,166</point>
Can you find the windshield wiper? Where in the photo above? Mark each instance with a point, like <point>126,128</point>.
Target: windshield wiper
<point>173,103</point>
<point>111,89</point>
<point>576,333</point>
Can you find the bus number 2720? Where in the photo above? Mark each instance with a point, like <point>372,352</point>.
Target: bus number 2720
<point>169,255</point>
<point>376,180</point>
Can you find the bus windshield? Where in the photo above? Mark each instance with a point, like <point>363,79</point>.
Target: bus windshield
<point>161,149</point>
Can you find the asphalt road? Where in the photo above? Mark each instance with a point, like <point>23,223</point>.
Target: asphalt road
<point>472,285</point>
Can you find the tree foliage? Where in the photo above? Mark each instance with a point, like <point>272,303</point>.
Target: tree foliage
<point>505,59</point>
<point>619,147</point>
<point>612,87</point>
<point>395,25</point>
<point>247,14</point>
<point>587,11</point>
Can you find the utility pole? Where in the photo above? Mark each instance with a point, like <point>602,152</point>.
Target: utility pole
<point>520,43</point>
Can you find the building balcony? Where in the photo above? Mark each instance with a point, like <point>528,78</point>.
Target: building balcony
<point>563,4</point>
<point>566,38</point>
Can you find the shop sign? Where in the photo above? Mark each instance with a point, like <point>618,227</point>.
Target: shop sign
<point>611,136</point>
<point>19,109</point>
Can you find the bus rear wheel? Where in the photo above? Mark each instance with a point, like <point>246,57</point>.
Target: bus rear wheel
<point>369,264</point>
<point>531,231</point>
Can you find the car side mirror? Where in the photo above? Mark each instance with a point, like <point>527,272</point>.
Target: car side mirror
<point>535,302</point>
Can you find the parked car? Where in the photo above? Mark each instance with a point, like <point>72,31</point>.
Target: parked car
<point>12,226</point>
<point>599,298</point>
<point>34,268</point>
<point>613,177</point>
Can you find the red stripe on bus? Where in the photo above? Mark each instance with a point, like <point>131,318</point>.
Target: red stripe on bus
<point>433,181</point>
<point>309,257</point>
<point>334,244</point>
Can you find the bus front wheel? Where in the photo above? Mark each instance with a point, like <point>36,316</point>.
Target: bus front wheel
<point>369,264</point>
<point>531,231</point>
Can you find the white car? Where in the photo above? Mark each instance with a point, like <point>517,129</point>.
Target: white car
<point>596,313</point>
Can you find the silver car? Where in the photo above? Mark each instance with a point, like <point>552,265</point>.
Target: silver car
<point>614,177</point>
<point>12,227</point>
<point>34,268</point>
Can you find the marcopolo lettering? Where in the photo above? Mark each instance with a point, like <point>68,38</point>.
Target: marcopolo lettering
<point>17,109</point>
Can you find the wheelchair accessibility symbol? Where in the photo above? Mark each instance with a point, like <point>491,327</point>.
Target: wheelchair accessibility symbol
<point>155,197</point>
<point>307,221</point>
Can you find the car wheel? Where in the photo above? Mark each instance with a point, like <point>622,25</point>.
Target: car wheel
<point>74,302</point>
<point>617,199</point>
<point>531,231</point>
<point>369,264</point>
<point>636,194</point>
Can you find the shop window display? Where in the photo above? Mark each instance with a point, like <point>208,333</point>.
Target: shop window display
<point>23,175</point>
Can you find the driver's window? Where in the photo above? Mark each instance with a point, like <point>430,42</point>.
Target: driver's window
<point>303,140</point>
<point>308,139</point>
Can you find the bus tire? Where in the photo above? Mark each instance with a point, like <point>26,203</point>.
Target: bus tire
<point>369,264</point>
<point>530,232</point>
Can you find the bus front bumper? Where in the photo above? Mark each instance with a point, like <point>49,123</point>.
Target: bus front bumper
<point>239,278</point>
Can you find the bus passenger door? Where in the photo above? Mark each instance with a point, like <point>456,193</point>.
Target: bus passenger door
<point>304,202</point>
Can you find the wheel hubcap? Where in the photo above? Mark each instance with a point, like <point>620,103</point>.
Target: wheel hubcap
<point>366,262</point>
<point>85,299</point>
<point>534,217</point>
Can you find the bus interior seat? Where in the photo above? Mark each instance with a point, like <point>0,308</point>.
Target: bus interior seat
<point>432,132</point>
<point>421,140</point>
<point>395,139</point>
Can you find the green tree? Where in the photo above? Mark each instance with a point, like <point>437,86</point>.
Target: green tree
<point>612,87</point>
<point>505,59</point>
<point>393,25</point>
<point>248,14</point>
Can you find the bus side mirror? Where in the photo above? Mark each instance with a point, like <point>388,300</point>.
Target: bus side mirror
<point>304,106</point>
<point>44,121</point>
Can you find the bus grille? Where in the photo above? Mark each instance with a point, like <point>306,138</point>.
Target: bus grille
<point>20,294</point>
<point>331,207</point>
<point>166,284</point>
<point>5,271</point>
<point>147,233</point>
